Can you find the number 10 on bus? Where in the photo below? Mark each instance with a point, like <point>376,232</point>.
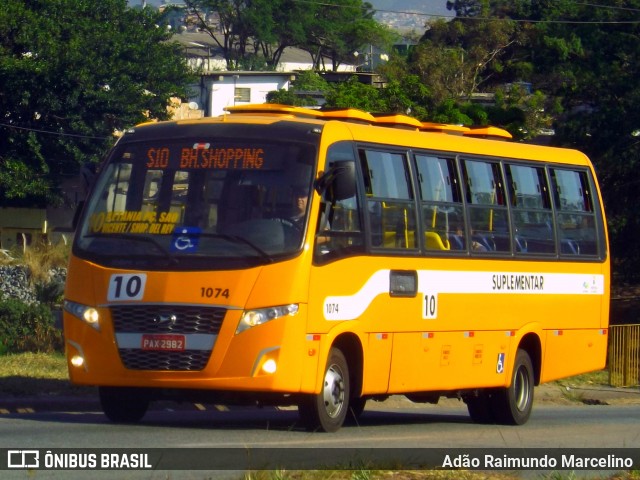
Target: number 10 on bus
<point>430,306</point>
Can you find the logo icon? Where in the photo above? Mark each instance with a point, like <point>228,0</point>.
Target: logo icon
<point>160,319</point>
<point>185,240</point>
<point>23,458</point>
<point>500,364</point>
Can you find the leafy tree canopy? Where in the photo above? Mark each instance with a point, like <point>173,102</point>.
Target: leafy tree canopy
<point>71,73</point>
<point>263,29</point>
<point>300,91</point>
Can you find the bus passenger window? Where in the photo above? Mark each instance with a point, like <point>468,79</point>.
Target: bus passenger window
<point>575,212</point>
<point>339,230</point>
<point>390,205</point>
<point>441,204</point>
<point>531,210</point>
<point>487,207</point>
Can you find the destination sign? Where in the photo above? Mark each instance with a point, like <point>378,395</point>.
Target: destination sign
<point>202,155</point>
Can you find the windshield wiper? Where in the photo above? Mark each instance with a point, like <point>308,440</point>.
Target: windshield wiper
<point>173,258</point>
<point>138,238</point>
<point>237,238</point>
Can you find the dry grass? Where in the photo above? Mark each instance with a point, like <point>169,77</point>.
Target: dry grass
<point>40,259</point>
<point>597,378</point>
<point>37,365</point>
<point>24,374</point>
<point>428,475</point>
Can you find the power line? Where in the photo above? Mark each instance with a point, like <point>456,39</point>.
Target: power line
<point>49,132</point>
<point>610,7</point>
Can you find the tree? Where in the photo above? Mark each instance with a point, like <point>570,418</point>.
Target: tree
<point>354,94</point>
<point>277,25</point>
<point>591,62</point>
<point>226,29</point>
<point>585,58</point>
<point>247,30</point>
<point>251,33</point>
<point>299,90</point>
<point>71,74</point>
<point>339,29</point>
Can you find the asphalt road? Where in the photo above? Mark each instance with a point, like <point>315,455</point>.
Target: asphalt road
<point>396,425</point>
<point>383,425</point>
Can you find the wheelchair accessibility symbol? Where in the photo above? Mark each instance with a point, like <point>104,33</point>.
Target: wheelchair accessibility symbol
<point>185,239</point>
<point>500,364</point>
<point>182,243</point>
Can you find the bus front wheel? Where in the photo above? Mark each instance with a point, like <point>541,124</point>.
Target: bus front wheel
<point>328,409</point>
<point>512,405</point>
<point>123,405</point>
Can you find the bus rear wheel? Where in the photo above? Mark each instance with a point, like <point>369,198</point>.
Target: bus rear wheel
<point>123,405</point>
<point>479,407</point>
<point>328,409</point>
<point>512,405</point>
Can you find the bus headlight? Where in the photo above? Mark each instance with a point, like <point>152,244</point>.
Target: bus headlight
<point>252,318</point>
<point>85,313</point>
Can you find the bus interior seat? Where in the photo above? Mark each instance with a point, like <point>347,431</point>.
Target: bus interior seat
<point>485,241</point>
<point>456,242</point>
<point>267,234</point>
<point>434,241</point>
<point>521,244</point>
<point>238,205</point>
<point>569,247</point>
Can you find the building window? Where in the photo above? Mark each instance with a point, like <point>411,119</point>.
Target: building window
<point>242,94</point>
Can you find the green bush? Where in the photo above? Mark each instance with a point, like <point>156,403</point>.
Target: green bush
<point>27,328</point>
<point>50,292</point>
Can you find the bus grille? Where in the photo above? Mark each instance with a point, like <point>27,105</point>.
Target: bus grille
<point>189,360</point>
<point>166,319</point>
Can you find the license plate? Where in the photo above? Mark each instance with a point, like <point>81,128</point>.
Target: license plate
<point>164,343</point>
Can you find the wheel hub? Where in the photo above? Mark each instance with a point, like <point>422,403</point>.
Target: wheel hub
<point>333,391</point>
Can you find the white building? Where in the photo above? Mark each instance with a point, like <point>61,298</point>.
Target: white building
<point>220,88</point>
<point>225,89</point>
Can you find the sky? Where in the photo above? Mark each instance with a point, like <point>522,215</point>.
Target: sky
<point>431,7</point>
<point>401,15</point>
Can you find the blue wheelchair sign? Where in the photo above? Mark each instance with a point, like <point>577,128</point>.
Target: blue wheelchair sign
<point>500,364</point>
<point>185,239</point>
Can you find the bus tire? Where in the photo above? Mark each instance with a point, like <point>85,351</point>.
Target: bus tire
<point>356,407</point>
<point>327,410</point>
<point>123,405</point>
<point>479,407</point>
<point>512,405</point>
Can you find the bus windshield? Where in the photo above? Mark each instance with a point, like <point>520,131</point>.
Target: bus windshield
<point>199,204</point>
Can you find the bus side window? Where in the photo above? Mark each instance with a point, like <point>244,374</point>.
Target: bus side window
<point>487,206</point>
<point>339,231</point>
<point>390,205</point>
<point>575,215</point>
<point>531,210</point>
<point>441,204</point>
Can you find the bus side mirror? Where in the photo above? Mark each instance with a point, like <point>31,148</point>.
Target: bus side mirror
<point>76,215</point>
<point>339,182</point>
<point>88,173</point>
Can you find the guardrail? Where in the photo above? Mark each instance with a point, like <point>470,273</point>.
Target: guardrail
<point>624,355</point>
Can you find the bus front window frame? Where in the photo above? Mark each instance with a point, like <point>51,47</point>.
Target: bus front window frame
<point>179,208</point>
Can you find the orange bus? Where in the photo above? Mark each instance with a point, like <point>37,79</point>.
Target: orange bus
<point>280,255</point>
